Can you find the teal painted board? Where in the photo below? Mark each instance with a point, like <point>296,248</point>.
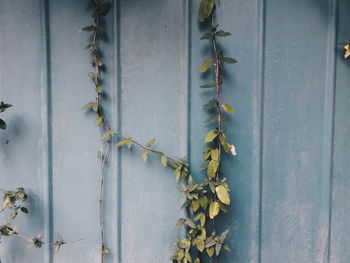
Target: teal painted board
<point>23,146</point>
<point>153,104</point>
<point>289,89</point>
<point>340,227</point>
<point>296,175</point>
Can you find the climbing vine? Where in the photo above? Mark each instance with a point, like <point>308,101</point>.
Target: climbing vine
<point>203,201</point>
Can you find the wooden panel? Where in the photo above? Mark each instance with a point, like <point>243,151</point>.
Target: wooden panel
<point>153,104</point>
<point>340,225</point>
<point>24,145</point>
<point>296,174</point>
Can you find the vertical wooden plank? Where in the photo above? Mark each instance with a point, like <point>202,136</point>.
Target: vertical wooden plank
<point>242,89</point>
<point>24,145</point>
<point>76,168</point>
<point>153,104</point>
<point>297,131</point>
<point>340,225</point>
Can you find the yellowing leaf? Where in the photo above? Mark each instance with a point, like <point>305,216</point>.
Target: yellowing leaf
<point>164,160</point>
<point>124,141</point>
<point>205,9</point>
<point>223,194</point>
<point>200,244</point>
<point>145,155</point>
<point>197,260</point>
<point>88,105</point>
<point>228,108</point>
<point>212,169</point>
<point>347,50</point>
<point>195,205</point>
<point>214,209</point>
<point>206,65</point>
<point>107,134</point>
<point>214,154</point>
<point>211,135</point>
<point>151,142</point>
<point>210,251</point>
<point>98,120</point>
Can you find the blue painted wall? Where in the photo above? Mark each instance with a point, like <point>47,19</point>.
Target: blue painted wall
<point>290,89</point>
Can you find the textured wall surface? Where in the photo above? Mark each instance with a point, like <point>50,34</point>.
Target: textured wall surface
<point>290,89</point>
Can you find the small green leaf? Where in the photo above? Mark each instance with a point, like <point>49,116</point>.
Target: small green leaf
<point>214,154</point>
<point>224,143</point>
<point>210,251</point>
<point>200,244</point>
<point>211,119</point>
<point>4,106</point>
<point>145,155</point>
<point>214,209</point>
<point>207,86</point>
<point>92,75</point>
<point>205,9</point>
<point>229,60</point>
<point>2,124</point>
<point>223,194</point>
<point>89,105</point>
<point>107,134</point>
<point>195,205</point>
<point>98,120</point>
<point>90,28</point>
<point>210,103</point>
<point>197,260</point>
<point>206,65</point>
<point>99,89</point>
<point>222,33</point>
<point>24,210</point>
<point>211,135</point>
<point>150,143</point>
<point>102,10</point>
<point>90,46</point>
<point>228,108</point>
<point>164,160</point>
<point>127,141</point>
<point>213,167</point>
<point>203,201</point>
<point>206,36</point>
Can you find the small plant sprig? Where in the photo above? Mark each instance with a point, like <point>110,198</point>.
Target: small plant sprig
<point>3,106</point>
<point>13,202</point>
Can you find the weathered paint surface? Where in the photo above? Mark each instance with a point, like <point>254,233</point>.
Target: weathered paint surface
<point>290,90</point>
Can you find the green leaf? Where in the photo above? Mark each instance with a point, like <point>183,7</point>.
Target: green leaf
<point>224,143</point>
<point>203,201</point>
<point>211,135</point>
<point>4,106</point>
<point>205,9</point>
<point>145,155</point>
<point>197,260</point>
<point>102,10</point>
<point>90,46</point>
<point>206,65</point>
<point>195,205</point>
<point>214,154</point>
<point>210,103</point>
<point>24,210</point>
<point>229,60</point>
<point>206,36</point>
<point>214,209</point>
<point>222,33</point>
<point>228,108</point>
<point>200,244</point>
<point>210,251</point>
<point>223,194</point>
<point>107,134</point>
<point>89,105</point>
<point>90,28</point>
<point>98,120</point>
<point>127,141</point>
<point>99,89</point>
<point>2,124</point>
<point>207,86</point>
<point>213,167</point>
<point>211,119</point>
<point>150,143</point>
<point>164,160</point>
<point>92,75</point>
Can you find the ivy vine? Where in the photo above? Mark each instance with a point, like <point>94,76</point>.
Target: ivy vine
<point>204,201</point>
